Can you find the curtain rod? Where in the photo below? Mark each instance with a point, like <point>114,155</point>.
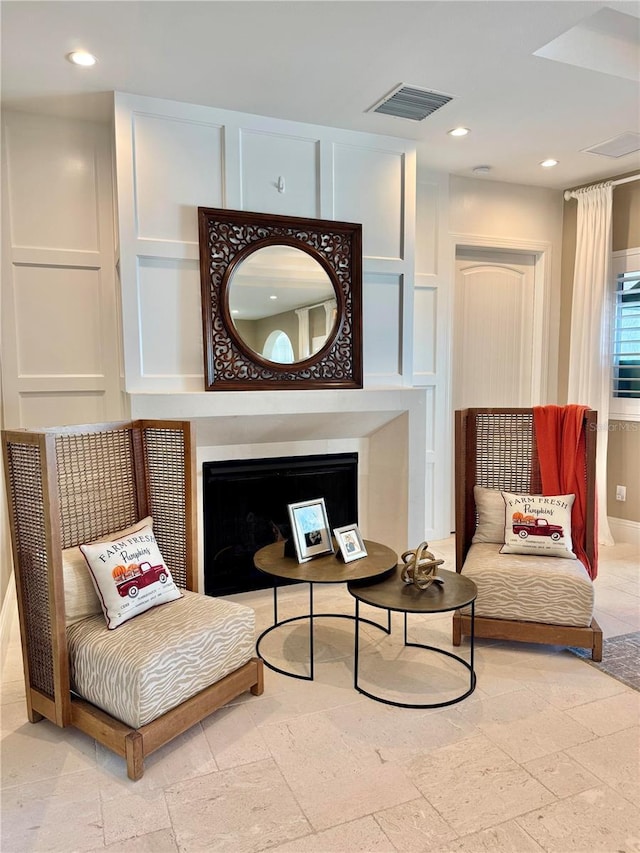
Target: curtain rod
<point>572,193</point>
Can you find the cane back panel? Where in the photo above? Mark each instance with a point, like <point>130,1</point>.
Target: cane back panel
<point>25,491</point>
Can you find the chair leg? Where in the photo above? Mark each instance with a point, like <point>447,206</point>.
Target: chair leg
<point>457,629</point>
<point>258,688</point>
<point>596,651</point>
<point>135,756</point>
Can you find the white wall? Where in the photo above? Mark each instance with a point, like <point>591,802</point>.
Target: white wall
<point>497,209</point>
<point>59,328</point>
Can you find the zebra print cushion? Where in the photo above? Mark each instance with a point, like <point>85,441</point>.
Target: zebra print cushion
<point>532,589</point>
<point>161,658</point>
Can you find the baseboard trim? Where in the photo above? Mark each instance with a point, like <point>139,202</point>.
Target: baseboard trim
<point>8,613</point>
<point>623,530</point>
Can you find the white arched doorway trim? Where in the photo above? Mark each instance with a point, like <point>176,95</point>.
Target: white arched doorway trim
<point>541,320</point>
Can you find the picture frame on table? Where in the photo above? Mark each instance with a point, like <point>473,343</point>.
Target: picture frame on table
<point>310,529</point>
<point>350,542</point>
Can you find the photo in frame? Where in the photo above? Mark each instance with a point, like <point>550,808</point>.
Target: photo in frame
<point>310,529</point>
<point>350,542</point>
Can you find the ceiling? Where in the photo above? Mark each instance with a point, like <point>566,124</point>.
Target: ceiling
<point>328,62</point>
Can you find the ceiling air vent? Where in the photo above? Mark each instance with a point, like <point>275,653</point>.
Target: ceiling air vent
<point>619,146</point>
<point>410,102</point>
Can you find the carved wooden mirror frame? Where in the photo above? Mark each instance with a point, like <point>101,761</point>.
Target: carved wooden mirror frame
<point>226,238</point>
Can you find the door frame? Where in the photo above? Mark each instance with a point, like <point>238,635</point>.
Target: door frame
<point>540,357</point>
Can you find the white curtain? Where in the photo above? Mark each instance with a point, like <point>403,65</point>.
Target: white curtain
<point>589,355</point>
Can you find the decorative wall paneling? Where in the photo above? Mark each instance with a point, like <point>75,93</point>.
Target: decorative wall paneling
<point>432,332</point>
<point>173,157</point>
<point>169,291</point>
<point>382,328</point>
<point>290,165</point>
<point>59,318</point>
<point>369,183</point>
<point>175,162</point>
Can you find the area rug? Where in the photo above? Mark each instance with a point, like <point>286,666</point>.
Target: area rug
<point>620,658</point>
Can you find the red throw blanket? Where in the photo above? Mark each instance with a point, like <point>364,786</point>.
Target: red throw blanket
<point>562,455</point>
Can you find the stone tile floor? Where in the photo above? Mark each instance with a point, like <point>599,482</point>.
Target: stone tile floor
<point>542,757</point>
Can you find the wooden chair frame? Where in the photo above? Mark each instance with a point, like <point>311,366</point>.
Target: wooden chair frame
<point>71,485</point>
<point>496,448</point>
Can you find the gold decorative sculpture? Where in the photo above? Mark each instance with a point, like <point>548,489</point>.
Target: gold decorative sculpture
<point>420,567</point>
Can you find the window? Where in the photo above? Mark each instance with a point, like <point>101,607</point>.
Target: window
<point>626,334</point>
<point>278,348</point>
<point>625,350</point>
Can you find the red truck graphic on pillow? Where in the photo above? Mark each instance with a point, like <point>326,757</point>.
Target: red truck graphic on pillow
<point>528,525</point>
<point>131,579</point>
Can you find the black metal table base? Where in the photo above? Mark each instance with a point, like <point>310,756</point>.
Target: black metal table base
<point>311,616</point>
<point>469,665</point>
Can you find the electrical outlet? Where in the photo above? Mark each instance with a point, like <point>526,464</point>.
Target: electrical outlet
<point>621,493</point>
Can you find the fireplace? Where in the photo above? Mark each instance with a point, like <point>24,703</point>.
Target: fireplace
<point>245,508</point>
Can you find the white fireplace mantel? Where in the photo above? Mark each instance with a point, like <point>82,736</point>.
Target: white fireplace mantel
<point>253,417</point>
<point>392,423</point>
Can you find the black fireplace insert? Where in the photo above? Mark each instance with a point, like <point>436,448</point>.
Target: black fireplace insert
<point>245,508</point>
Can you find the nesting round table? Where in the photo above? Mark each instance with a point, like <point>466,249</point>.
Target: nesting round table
<point>272,560</point>
<point>373,580</point>
<point>452,592</point>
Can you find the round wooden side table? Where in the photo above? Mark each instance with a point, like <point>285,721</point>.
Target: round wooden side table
<point>454,591</point>
<point>327,569</point>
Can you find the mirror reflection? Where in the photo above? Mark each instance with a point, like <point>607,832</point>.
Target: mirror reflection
<point>282,304</point>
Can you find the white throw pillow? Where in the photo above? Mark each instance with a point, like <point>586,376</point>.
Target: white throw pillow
<point>129,575</point>
<point>491,519</point>
<point>80,598</point>
<point>538,525</point>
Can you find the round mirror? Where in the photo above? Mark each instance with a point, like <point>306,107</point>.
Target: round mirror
<point>282,303</point>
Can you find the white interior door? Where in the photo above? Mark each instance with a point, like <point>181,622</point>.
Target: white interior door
<point>493,334</point>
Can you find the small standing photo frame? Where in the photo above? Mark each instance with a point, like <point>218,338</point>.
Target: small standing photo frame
<point>310,529</point>
<point>350,542</point>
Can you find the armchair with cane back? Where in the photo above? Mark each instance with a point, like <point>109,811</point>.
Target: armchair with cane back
<point>166,657</point>
<point>536,591</point>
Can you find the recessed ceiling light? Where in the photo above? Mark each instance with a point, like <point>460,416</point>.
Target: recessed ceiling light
<point>481,170</point>
<point>549,163</point>
<point>458,131</point>
<point>273,297</point>
<point>82,57</point>
<point>234,311</point>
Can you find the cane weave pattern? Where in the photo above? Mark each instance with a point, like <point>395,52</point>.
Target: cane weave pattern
<point>96,484</point>
<point>27,510</point>
<point>165,473</point>
<point>506,452</point>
